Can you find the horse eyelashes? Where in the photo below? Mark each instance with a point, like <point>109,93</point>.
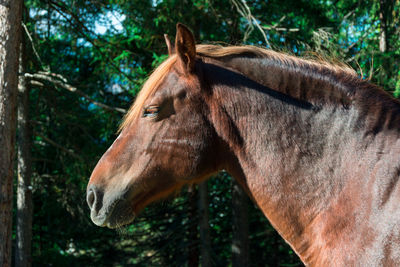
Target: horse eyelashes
<point>151,112</point>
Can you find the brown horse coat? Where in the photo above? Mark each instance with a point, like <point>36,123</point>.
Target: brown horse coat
<point>313,145</point>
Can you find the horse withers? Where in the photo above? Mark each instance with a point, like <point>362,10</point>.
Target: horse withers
<point>314,146</point>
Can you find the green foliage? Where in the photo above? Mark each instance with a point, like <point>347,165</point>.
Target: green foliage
<point>110,67</point>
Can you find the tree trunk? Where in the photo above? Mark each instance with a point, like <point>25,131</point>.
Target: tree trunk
<point>193,247</point>
<point>205,239</point>
<point>240,225</point>
<point>383,17</point>
<point>10,21</point>
<point>24,188</point>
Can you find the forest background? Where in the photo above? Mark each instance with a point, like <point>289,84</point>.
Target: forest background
<point>82,64</point>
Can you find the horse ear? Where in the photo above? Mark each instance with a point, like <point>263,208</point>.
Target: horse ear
<point>171,47</point>
<point>185,47</point>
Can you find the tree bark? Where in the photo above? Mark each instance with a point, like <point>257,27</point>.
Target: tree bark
<point>205,239</point>
<point>10,21</point>
<point>240,227</point>
<point>24,187</point>
<point>383,17</point>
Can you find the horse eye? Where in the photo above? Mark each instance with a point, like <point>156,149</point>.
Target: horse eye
<point>151,111</point>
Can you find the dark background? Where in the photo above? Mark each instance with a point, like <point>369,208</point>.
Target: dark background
<point>102,51</point>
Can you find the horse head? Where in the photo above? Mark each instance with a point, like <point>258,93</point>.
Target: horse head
<point>165,141</point>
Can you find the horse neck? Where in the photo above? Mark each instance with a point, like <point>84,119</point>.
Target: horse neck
<point>293,157</point>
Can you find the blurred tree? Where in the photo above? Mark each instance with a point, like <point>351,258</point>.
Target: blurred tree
<point>205,238</point>
<point>193,251</point>
<point>24,161</point>
<point>240,224</point>
<point>10,20</point>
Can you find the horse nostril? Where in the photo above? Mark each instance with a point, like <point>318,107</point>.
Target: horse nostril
<point>91,197</point>
<point>94,198</point>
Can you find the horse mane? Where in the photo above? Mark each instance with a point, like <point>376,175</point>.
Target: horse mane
<point>217,51</point>
<point>343,75</point>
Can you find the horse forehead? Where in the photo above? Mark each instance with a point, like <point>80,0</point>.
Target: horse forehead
<point>171,83</point>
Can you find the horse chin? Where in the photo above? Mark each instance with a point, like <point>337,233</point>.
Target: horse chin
<point>115,224</point>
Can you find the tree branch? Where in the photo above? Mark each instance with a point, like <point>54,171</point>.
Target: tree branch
<point>51,142</point>
<point>34,48</point>
<point>245,11</point>
<point>62,10</point>
<point>60,81</point>
<point>281,29</point>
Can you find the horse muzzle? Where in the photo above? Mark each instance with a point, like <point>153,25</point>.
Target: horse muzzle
<point>106,210</point>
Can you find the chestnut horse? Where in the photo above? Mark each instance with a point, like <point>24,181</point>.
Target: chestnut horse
<point>314,146</point>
